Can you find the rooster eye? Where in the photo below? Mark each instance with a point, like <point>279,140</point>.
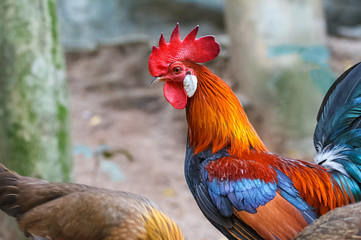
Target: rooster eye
<point>177,70</point>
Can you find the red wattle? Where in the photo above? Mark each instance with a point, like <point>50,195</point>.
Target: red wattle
<point>175,94</point>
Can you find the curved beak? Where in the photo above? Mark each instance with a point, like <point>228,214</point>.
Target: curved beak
<point>156,80</point>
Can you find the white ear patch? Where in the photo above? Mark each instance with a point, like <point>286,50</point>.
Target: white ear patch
<point>190,83</point>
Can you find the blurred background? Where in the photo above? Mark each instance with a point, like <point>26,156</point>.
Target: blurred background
<point>76,102</point>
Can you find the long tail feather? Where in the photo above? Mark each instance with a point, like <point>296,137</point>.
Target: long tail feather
<point>337,137</point>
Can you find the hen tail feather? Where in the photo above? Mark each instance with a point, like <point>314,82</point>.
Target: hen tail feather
<point>8,192</point>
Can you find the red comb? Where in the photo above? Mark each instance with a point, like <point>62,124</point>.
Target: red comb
<point>196,50</point>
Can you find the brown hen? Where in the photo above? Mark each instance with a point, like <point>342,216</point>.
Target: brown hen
<point>67,211</point>
<point>340,223</point>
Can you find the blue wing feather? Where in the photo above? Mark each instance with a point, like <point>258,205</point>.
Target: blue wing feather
<point>222,203</point>
<point>216,207</point>
<point>247,194</point>
<point>290,193</point>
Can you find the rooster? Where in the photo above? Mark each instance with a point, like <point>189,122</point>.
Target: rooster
<point>243,189</point>
<point>65,211</point>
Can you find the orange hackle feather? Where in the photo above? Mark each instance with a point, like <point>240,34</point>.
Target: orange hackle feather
<point>216,118</point>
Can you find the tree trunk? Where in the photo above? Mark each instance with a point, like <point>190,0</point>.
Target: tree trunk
<point>34,117</point>
<point>274,45</point>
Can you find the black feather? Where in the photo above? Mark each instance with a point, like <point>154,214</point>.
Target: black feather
<point>207,207</point>
<point>356,123</point>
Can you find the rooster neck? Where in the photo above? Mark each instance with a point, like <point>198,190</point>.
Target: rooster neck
<point>216,118</point>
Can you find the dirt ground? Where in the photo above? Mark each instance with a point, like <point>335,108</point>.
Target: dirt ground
<point>114,108</point>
